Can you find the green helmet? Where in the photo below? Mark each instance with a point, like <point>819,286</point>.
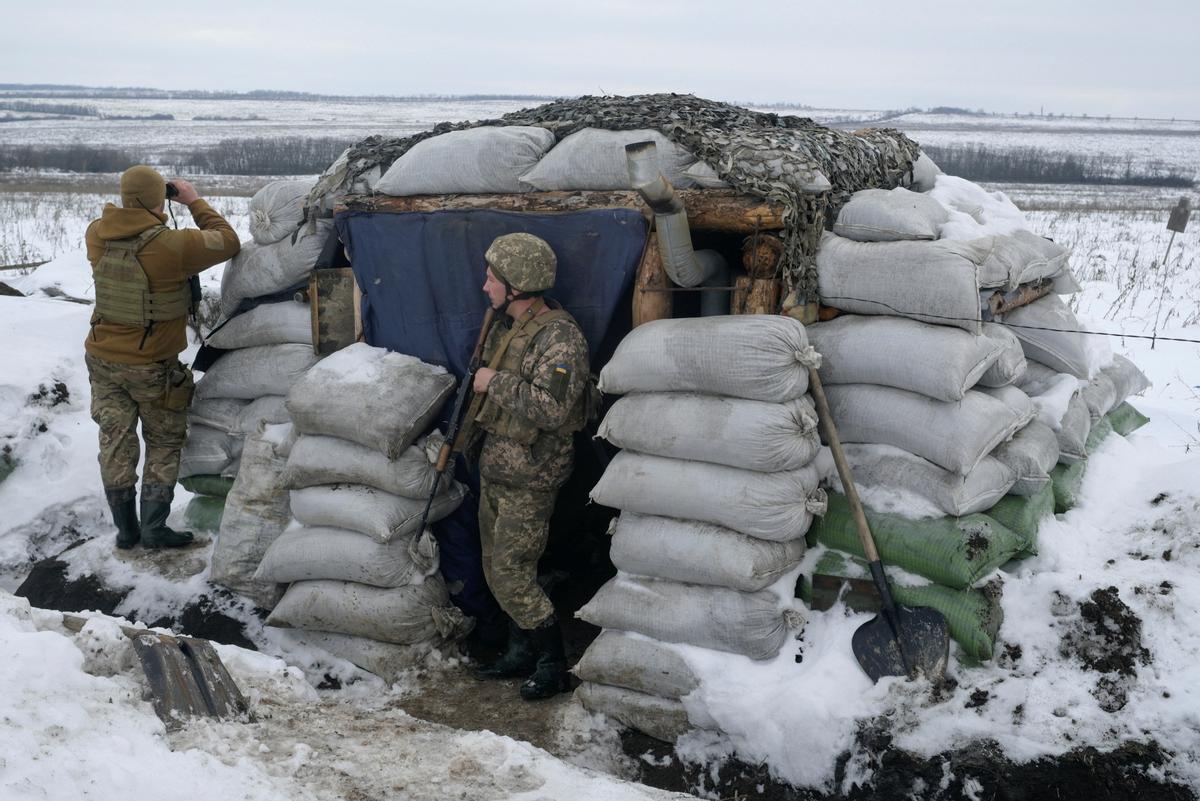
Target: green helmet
<point>523,262</point>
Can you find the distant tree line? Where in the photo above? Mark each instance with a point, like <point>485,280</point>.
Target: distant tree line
<point>1035,165</point>
<point>289,155</point>
<point>72,109</point>
<point>69,158</point>
<point>126,92</point>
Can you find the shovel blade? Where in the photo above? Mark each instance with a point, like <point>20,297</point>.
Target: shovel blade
<point>917,644</point>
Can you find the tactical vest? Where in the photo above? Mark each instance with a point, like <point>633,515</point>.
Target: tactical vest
<point>502,423</point>
<point>123,293</point>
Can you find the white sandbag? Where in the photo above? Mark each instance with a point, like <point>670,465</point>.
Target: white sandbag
<point>638,663</point>
<point>1065,283</point>
<point>1020,404</point>
<point>772,506</point>
<point>754,624</point>
<point>890,469</point>
<point>888,215</point>
<point>975,211</point>
<point>269,409</point>
<point>924,173</point>
<point>260,270</point>
<point>219,413</point>
<point>1031,454</point>
<point>1010,364</point>
<point>486,159</point>
<point>1100,395</point>
<point>1073,430</point>
<point>370,396</point>
<point>1127,379</point>
<point>251,373</point>
<point>703,175</point>
<point>403,615</point>
<point>953,435</point>
<point>935,282</point>
<point>277,209</point>
<point>266,324</point>
<point>386,660</point>
<point>1049,333</point>
<point>207,452</point>
<point>754,356</point>
<point>663,719</point>
<point>594,158</point>
<point>754,435</point>
<point>328,460</point>
<point>256,512</point>
<point>370,511</point>
<point>305,554</point>
<point>699,553</point>
<point>932,360</point>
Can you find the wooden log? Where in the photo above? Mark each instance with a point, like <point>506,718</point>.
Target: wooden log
<point>331,299</point>
<point>755,295</point>
<point>708,209</point>
<point>761,254</point>
<point>650,305</point>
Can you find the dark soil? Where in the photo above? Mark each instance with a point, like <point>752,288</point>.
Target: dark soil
<point>1107,638</point>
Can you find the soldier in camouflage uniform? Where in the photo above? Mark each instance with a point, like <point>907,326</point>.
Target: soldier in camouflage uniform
<point>533,401</point>
<point>142,269</point>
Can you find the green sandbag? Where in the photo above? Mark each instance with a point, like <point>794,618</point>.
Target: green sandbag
<point>7,465</point>
<point>954,551</point>
<point>1100,429</point>
<point>216,486</point>
<point>1066,481</point>
<point>973,616</point>
<point>203,513</point>
<point>1024,515</point>
<point>1125,419</point>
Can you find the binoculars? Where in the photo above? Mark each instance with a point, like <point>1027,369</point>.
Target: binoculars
<point>171,190</point>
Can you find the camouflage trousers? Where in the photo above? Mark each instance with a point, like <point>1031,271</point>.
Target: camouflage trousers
<point>514,525</point>
<point>157,395</point>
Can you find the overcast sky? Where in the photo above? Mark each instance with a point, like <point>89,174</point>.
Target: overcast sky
<point>1118,57</point>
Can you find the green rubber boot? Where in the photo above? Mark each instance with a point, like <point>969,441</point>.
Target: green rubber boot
<point>550,676</point>
<point>517,660</point>
<point>124,514</point>
<point>156,505</point>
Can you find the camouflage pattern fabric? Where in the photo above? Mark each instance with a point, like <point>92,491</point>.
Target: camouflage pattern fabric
<point>523,261</point>
<point>768,155</point>
<point>123,394</point>
<point>514,524</point>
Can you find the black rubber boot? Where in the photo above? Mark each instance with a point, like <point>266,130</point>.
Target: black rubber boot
<point>124,514</point>
<point>550,675</point>
<point>518,658</point>
<point>156,505</point>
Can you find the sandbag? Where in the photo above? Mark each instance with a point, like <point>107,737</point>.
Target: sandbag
<point>703,175</point>
<point>924,173</point>
<point>251,373</point>
<point>267,324</point>
<point>318,460</point>
<point>754,435</point>
<point>951,493</point>
<point>259,270</point>
<point>1024,514</point>
<point>1099,395</point>
<point>386,660</point>
<point>219,413</point>
<point>1020,404</point>
<point>955,551</point>
<point>1125,419</point>
<point>1010,364</point>
<point>1038,379</point>
<point>403,615</point>
<point>663,719</point>
<point>304,554</point>
<point>269,409</point>
<point>932,360</point>
<point>256,512</point>
<point>699,553</point>
<point>1020,257</point>
<point>753,624</point>
<point>370,511</point>
<point>207,452</point>
<point>934,282</point>
<point>1066,480</point>
<point>216,486</point>
<point>1126,378</point>
<point>370,396</point>
<point>1073,431</point>
<point>594,158</point>
<point>1049,333</point>
<point>1098,433</point>
<point>772,506</point>
<point>276,211</point>
<point>887,215</point>
<point>1031,454</point>
<point>636,663</point>
<point>476,160</point>
<point>754,356</point>
<point>953,435</point>
<point>203,513</point>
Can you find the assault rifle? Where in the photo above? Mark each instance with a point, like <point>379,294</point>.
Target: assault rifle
<point>455,423</point>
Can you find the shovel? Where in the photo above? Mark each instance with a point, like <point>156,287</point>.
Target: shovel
<point>900,640</point>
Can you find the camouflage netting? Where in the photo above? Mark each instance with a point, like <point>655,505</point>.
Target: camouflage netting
<point>781,158</point>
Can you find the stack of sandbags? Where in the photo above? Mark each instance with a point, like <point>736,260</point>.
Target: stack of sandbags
<point>717,484</point>
<point>359,475</point>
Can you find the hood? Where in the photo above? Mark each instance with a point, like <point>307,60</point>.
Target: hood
<point>118,223</point>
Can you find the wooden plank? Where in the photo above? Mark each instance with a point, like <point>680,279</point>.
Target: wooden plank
<point>647,304</point>
<point>708,209</point>
<point>331,294</point>
<point>755,295</point>
<point>761,254</point>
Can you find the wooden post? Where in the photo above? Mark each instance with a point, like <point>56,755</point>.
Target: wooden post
<point>761,254</point>
<point>331,295</point>
<point>651,275</point>
<point>755,295</point>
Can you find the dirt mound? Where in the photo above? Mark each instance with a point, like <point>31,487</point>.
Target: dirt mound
<point>1107,638</point>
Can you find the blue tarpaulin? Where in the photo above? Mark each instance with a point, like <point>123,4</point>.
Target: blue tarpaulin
<point>422,276</point>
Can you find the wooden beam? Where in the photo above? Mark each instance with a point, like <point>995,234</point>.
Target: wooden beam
<point>650,305</point>
<point>755,295</point>
<point>708,209</point>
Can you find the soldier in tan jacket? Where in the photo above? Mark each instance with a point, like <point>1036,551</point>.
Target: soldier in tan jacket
<point>141,270</point>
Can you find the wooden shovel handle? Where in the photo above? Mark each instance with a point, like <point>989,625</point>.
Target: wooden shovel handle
<point>843,468</point>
